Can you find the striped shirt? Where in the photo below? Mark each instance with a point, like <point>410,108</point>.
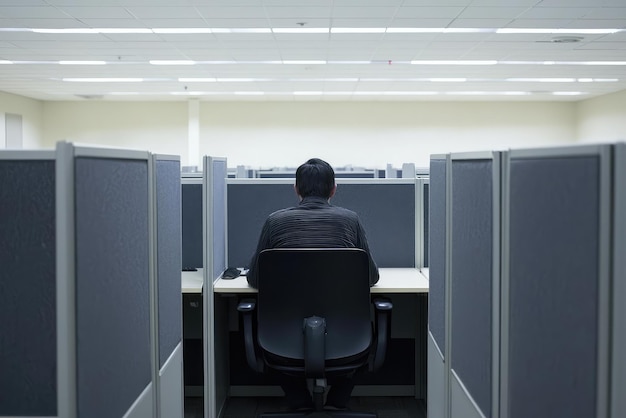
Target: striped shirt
<point>314,223</point>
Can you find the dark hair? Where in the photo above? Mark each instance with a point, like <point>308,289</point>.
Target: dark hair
<point>315,178</point>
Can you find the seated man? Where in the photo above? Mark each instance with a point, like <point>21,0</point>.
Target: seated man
<point>314,223</point>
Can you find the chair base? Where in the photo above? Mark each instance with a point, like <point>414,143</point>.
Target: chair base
<point>318,414</point>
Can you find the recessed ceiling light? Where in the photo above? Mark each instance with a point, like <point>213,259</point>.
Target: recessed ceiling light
<point>300,30</point>
<point>181,30</point>
<point>358,30</point>
<point>241,30</point>
<point>105,80</point>
<point>415,30</point>
<point>454,62</point>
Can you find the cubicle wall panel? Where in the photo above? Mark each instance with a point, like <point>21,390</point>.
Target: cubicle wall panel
<point>425,220</point>
<point>248,207</point>
<point>436,381</point>
<point>218,179</point>
<point>618,363</point>
<point>437,252</point>
<point>553,311</point>
<point>28,355</point>
<point>192,225</point>
<point>112,285</point>
<point>387,212</point>
<point>168,193</point>
<point>471,281</point>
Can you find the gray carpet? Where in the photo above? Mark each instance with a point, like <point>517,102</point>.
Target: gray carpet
<point>385,407</point>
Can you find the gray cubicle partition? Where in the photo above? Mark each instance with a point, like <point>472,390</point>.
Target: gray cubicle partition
<point>386,207</point>
<point>438,241</point>
<point>78,278</point>
<point>192,237</point>
<point>423,186</point>
<point>618,370</point>
<point>167,315</point>
<point>28,303</point>
<point>555,282</point>
<point>215,256</point>
<point>107,236</point>
<point>473,336</point>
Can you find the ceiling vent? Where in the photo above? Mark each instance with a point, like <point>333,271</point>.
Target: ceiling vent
<point>566,39</point>
<point>89,96</point>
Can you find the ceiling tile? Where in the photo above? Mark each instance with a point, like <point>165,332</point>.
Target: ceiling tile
<point>172,12</point>
<point>97,12</point>
<point>429,12</point>
<point>300,13</point>
<point>33,12</point>
<point>492,12</point>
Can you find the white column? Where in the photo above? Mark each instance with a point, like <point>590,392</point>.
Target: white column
<point>193,140</point>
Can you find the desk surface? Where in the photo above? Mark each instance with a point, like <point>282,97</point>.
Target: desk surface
<point>191,281</point>
<point>392,280</point>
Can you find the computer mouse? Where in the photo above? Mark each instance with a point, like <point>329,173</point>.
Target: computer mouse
<point>231,273</point>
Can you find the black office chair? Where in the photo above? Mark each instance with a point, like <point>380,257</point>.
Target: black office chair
<point>313,319</point>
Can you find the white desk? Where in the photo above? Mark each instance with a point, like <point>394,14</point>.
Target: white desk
<point>403,282</point>
<point>392,280</point>
<point>191,281</point>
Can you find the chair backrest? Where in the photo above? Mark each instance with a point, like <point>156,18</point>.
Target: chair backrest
<point>298,283</point>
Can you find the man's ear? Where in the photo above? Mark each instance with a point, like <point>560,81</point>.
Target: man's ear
<point>295,189</point>
<point>332,192</point>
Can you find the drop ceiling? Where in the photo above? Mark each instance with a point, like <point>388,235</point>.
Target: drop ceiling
<point>315,50</point>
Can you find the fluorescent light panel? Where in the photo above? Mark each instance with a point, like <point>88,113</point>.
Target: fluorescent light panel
<point>105,80</point>
<point>301,30</point>
<point>530,31</point>
<point>454,62</point>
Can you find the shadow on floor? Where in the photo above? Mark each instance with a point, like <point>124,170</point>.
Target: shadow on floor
<point>249,407</point>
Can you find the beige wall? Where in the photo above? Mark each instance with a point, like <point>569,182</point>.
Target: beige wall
<point>160,127</point>
<point>32,113</point>
<point>602,119</point>
<point>285,133</point>
<point>376,133</point>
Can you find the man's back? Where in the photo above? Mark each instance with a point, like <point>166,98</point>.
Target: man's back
<point>314,223</point>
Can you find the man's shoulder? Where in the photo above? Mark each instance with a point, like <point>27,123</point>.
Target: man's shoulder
<point>345,211</point>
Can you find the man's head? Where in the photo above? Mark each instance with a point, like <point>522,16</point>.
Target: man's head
<point>315,178</point>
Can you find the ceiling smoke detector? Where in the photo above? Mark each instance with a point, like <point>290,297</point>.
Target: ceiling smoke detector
<point>566,39</point>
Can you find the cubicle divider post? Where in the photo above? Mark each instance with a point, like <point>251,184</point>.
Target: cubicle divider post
<point>437,360</point>
<point>166,286</point>
<point>618,362</point>
<point>556,282</point>
<point>214,261</point>
<point>66,283</point>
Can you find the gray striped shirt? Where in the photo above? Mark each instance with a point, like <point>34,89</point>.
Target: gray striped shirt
<point>314,223</point>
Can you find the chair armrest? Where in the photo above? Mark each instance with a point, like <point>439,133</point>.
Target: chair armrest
<point>382,311</point>
<point>247,308</point>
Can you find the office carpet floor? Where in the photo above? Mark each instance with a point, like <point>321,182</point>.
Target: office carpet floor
<point>385,407</point>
